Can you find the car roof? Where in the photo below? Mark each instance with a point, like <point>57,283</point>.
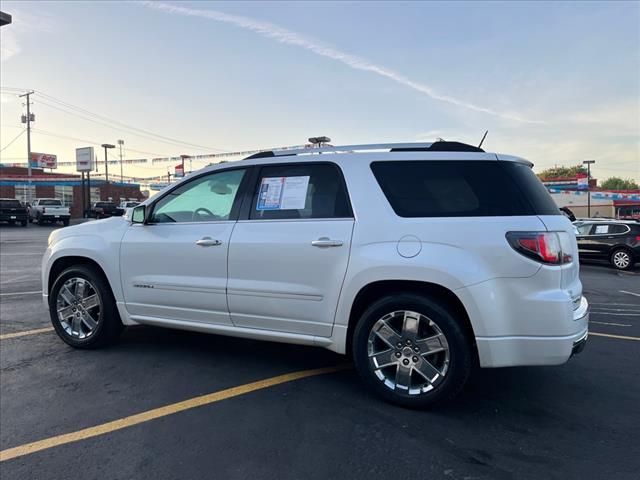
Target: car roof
<point>450,151</point>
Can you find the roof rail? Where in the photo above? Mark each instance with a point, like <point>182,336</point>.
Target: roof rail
<point>392,147</point>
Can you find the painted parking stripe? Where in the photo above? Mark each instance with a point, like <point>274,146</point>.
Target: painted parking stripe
<point>20,293</point>
<point>142,417</point>
<point>7,336</point>
<point>620,337</point>
<point>608,323</point>
<point>630,293</point>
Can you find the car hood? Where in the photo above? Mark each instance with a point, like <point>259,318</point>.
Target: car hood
<point>108,227</point>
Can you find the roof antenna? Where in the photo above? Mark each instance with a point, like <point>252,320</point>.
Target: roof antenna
<point>483,137</point>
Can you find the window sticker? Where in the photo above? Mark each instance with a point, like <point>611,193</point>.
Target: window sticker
<point>283,193</point>
<point>602,229</point>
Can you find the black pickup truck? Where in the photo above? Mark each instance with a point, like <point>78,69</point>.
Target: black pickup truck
<point>12,211</point>
<point>104,210</point>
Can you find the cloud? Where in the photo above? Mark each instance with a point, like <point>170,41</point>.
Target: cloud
<point>23,23</point>
<point>289,37</point>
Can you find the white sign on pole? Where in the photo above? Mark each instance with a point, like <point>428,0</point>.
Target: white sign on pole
<point>84,159</point>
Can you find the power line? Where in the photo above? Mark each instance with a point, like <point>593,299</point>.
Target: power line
<point>121,129</point>
<point>91,142</point>
<point>146,132</point>
<point>14,139</point>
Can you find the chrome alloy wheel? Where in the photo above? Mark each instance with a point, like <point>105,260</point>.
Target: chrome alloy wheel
<point>408,352</point>
<point>621,259</point>
<point>79,307</point>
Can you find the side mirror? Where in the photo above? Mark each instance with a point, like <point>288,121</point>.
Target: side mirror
<point>139,214</point>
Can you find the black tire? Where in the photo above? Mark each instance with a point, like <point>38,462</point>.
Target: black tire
<point>65,222</point>
<point>109,326</point>
<point>618,256</point>
<point>23,223</point>
<point>460,351</point>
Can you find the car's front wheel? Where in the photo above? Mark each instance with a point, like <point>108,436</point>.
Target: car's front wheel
<point>622,259</point>
<point>82,308</point>
<point>412,351</point>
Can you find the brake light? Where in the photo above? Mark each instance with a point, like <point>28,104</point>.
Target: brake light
<point>637,238</point>
<point>546,247</point>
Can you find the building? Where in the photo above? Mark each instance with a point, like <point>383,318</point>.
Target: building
<point>604,203</point>
<point>15,183</point>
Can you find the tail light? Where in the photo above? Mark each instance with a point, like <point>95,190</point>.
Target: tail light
<point>546,247</point>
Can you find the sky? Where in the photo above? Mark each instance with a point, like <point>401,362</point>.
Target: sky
<point>554,82</point>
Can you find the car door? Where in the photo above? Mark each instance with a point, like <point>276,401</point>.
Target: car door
<point>601,239</point>
<point>586,243</point>
<point>289,250</point>
<point>174,266</point>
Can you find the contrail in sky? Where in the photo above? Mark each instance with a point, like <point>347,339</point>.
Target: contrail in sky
<point>289,37</point>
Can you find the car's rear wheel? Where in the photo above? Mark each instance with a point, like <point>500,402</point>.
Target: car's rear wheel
<point>411,351</point>
<point>622,259</point>
<point>23,223</point>
<point>82,308</point>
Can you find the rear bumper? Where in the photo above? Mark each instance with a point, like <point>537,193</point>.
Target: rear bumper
<point>56,218</point>
<point>511,351</point>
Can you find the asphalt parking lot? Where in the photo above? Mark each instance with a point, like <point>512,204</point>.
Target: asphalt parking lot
<point>136,410</point>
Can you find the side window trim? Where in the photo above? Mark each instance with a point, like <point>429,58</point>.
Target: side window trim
<point>251,193</point>
<point>235,208</point>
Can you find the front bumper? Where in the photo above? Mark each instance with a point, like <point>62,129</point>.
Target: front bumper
<point>512,351</point>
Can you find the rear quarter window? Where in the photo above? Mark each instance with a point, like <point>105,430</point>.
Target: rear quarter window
<point>462,189</point>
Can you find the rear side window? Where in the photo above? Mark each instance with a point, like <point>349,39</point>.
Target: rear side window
<point>618,229</point>
<point>296,191</point>
<point>462,189</point>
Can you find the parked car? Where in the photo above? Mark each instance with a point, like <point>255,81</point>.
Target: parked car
<point>125,205</point>
<point>49,210</point>
<point>457,257</point>
<point>12,211</point>
<point>103,210</point>
<point>617,241</point>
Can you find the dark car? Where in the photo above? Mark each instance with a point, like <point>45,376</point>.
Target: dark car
<point>12,211</point>
<point>103,210</point>
<point>615,241</point>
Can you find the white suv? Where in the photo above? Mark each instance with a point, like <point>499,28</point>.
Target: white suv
<point>419,260</point>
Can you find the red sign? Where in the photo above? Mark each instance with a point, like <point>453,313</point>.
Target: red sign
<point>179,171</point>
<point>44,160</point>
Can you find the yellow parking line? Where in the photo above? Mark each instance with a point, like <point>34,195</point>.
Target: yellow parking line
<point>7,336</point>
<point>125,422</point>
<point>621,337</point>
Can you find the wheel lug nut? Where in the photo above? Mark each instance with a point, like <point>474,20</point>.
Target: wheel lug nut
<point>408,342</point>
<point>398,354</point>
<point>405,362</point>
<point>399,345</point>
<point>416,349</point>
<point>415,359</point>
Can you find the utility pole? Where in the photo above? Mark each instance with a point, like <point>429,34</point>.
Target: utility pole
<point>120,143</point>
<point>28,120</point>
<point>588,164</point>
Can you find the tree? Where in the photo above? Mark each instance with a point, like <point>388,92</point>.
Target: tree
<point>617,183</point>
<point>562,172</point>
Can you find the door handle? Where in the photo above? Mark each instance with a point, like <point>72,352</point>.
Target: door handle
<point>208,242</point>
<point>326,242</point>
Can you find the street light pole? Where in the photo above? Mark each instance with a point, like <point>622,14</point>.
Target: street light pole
<point>106,146</point>
<point>120,143</point>
<point>588,164</point>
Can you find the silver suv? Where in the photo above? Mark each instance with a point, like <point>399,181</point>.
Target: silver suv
<point>419,260</point>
